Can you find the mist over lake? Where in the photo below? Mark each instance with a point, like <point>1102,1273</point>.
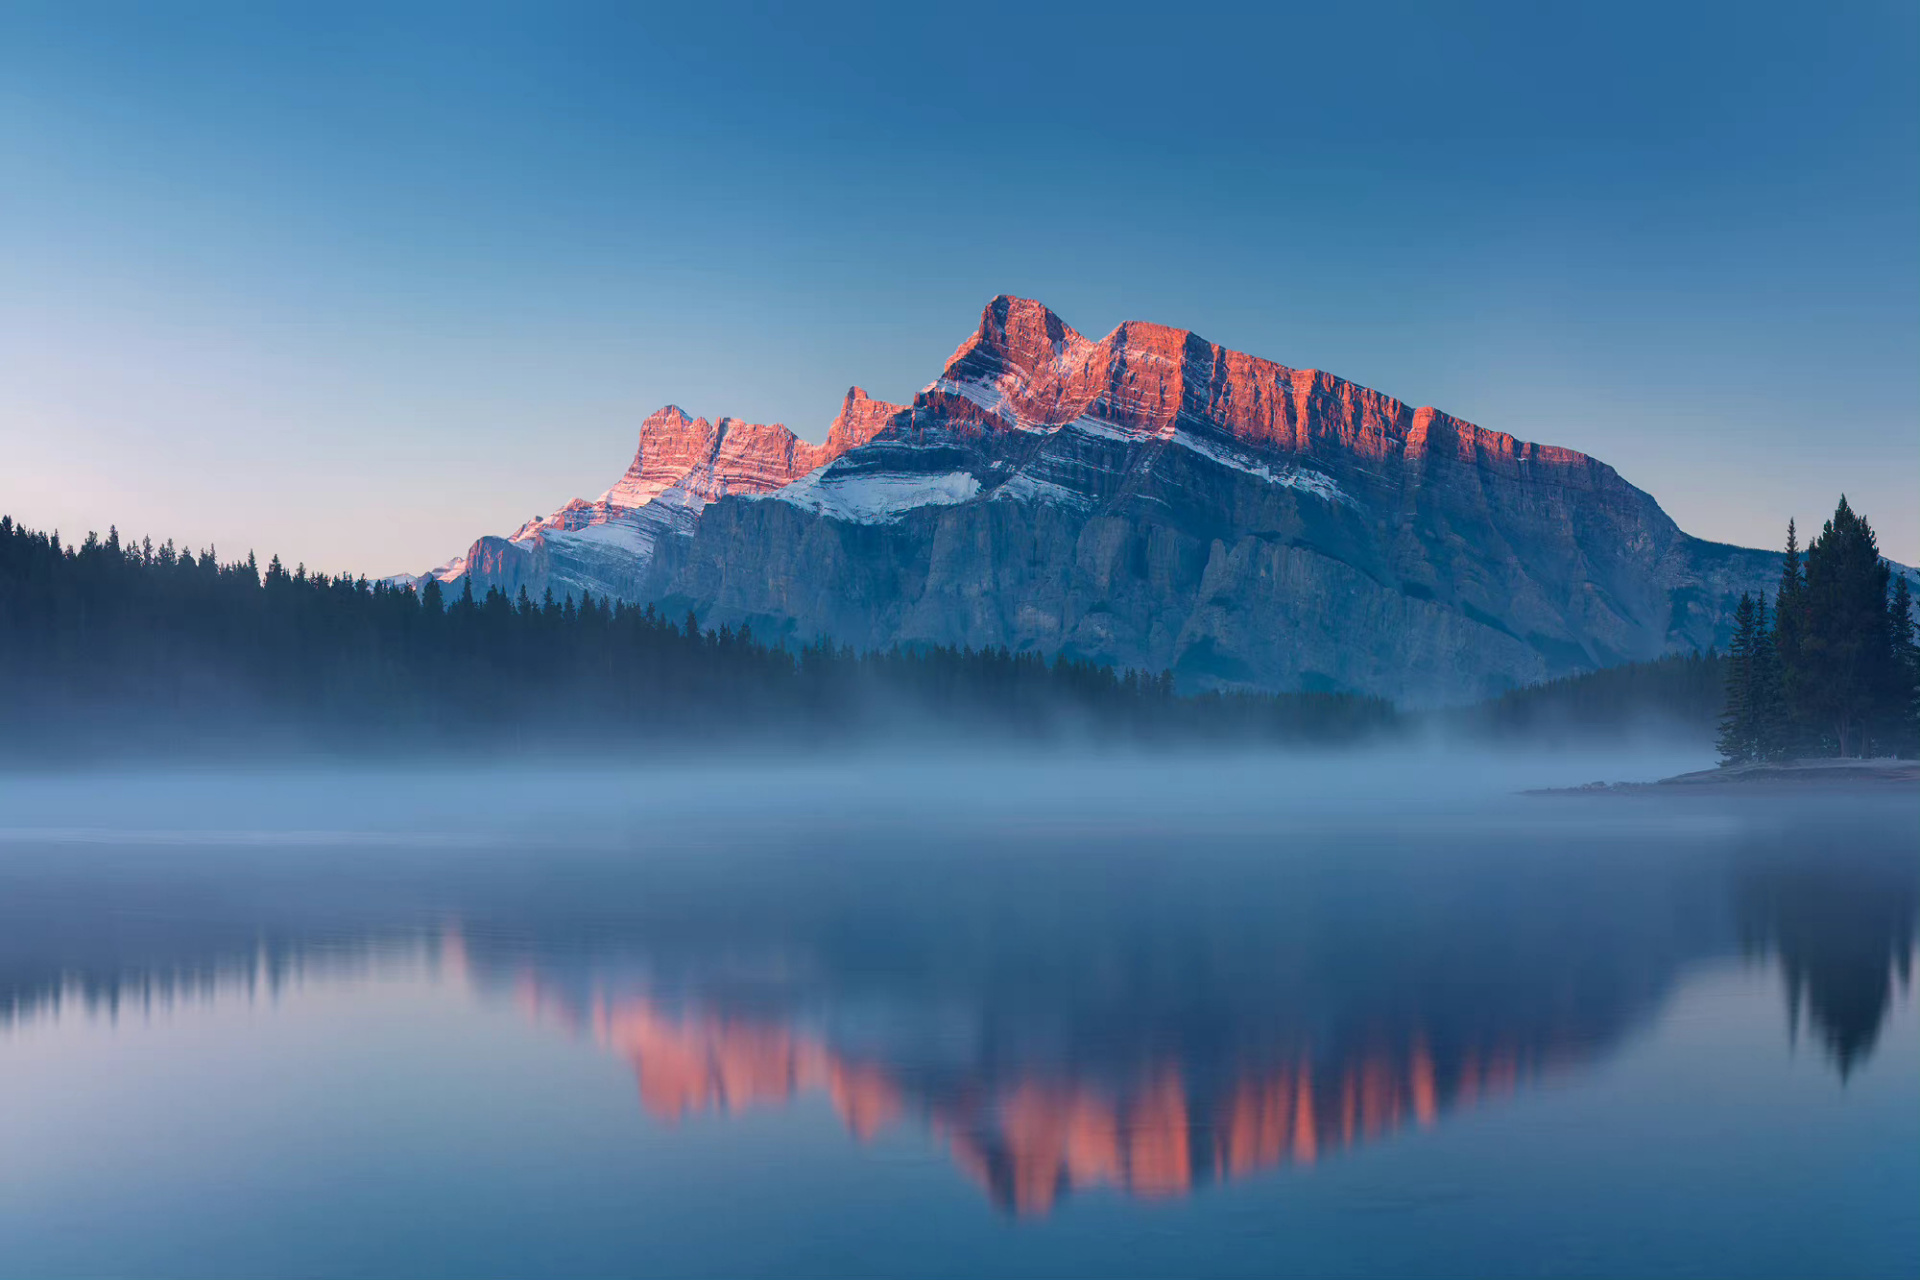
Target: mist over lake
<point>1232,1013</point>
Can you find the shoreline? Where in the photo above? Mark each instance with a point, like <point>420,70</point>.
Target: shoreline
<point>1877,775</point>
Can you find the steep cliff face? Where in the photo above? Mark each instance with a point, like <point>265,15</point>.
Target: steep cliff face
<point>681,466</point>
<point>1154,500</point>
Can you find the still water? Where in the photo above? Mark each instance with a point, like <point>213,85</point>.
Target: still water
<point>948,1017</point>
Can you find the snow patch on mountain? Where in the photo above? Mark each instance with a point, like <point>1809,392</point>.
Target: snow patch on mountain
<point>616,532</point>
<point>1288,476</point>
<point>876,497</point>
<point>993,397</point>
<point>1103,429</point>
<point>1025,488</point>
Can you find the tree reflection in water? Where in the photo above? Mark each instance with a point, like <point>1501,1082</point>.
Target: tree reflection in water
<point>1842,927</point>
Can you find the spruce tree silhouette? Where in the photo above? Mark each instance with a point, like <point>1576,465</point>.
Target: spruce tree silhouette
<point>1847,648</point>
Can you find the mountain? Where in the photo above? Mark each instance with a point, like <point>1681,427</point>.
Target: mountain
<point>682,465</point>
<point>1150,500</point>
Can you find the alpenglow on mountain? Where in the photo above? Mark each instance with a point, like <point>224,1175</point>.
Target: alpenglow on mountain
<point>1149,500</point>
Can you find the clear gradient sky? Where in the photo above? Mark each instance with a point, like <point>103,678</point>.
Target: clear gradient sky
<point>356,283</point>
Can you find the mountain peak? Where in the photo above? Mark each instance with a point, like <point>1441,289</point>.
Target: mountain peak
<point>1015,330</point>
<point>1026,367</point>
<point>860,419</point>
<point>708,458</point>
<point>1007,313</point>
<point>671,415</point>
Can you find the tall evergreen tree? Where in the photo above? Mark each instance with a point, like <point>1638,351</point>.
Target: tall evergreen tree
<point>1903,693</point>
<point>1847,651</point>
<point>1738,738</point>
<point>1772,738</point>
<point>1789,632</point>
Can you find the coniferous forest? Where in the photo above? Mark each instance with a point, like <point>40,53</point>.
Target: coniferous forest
<point>1828,667</point>
<point>111,648</point>
<point>1679,695</point>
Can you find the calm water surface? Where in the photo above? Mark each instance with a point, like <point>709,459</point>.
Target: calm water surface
<point>1253,1017</point>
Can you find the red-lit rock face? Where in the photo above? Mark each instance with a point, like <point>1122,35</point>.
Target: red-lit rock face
<point>702,461</point>
<point>1150,379</point>
<point>1150,500</point>
<point>860,419</point>
<point>681,465</point>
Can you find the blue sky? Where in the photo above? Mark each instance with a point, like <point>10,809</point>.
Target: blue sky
<point>357,283</point>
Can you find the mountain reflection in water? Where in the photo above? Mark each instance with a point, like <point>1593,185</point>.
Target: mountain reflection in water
<point>1027,1139</point>
<point>1057,1018</point>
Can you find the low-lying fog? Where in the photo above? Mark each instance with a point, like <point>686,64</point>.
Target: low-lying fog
<point>583,797</point>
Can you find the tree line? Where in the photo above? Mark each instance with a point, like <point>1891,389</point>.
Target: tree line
<point>109,647</point>
<point>115,647</point>
<point>1829,667</point>
<point>1679,695</point>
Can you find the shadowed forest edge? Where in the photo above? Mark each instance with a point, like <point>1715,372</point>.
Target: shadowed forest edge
<point>109,648</point>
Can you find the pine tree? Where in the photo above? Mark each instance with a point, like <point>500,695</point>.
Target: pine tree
<point>1789,631</point>
<point>1767,710</point>
<point>1846,646</point>
<point>1902,699</point>
<point>1738,739</point>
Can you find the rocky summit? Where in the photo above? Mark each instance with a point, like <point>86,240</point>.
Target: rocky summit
<point>1149,500</point>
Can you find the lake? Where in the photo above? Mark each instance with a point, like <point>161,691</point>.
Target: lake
<point>969,1015</point>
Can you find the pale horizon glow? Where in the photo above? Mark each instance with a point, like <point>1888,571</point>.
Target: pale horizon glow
<point>355,287</point>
